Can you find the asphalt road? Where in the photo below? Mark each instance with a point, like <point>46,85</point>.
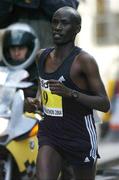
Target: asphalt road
<point>108,164</point>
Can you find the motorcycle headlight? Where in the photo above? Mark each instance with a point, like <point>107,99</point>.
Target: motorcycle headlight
<point>3,125</point>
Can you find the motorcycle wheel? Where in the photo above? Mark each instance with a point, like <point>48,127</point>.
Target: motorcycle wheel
<point>9,169</point>
<point>6,168</point>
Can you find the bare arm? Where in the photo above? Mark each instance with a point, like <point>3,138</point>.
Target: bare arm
<point>99,100</point>
<point>33,104</point>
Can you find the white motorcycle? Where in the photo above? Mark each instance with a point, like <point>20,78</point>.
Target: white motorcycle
<point>18,133</point>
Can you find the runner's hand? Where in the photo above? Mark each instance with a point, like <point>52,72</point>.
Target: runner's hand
<point>31,104</point>
<point>59,88</point>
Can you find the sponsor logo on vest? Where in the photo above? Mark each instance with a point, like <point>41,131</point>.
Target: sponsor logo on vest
<point>61,79</point>
<point>86,159</point>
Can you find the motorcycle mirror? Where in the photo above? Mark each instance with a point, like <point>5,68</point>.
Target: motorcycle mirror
<point>12,79</point>
<point>9,77</point>
<point>17,75</point>
<point>18,85</point>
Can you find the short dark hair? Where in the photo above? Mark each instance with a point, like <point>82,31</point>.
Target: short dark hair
<point>75,13</point>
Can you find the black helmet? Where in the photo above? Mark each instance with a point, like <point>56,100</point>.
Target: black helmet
<point>19,34</point>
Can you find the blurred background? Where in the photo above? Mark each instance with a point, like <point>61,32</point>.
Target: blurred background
<point>99,36</point>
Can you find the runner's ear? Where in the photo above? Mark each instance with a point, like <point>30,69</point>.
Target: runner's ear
<point>78,28</point>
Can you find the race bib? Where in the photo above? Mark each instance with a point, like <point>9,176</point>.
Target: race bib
<point>52,103</point>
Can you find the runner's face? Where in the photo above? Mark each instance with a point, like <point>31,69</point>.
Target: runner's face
<point>18,53</point>
<point>63,27</point>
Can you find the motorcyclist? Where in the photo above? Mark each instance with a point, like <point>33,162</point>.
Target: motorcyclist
<point>20,45</point>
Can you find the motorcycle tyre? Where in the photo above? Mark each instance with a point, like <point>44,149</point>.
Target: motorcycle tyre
<point>9,166</point>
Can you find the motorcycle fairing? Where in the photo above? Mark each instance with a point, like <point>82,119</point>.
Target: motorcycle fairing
<point>19,123</point>
<point>24,153</point>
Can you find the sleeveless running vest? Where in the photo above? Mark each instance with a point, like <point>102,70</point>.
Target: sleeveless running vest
<point>68,125</point>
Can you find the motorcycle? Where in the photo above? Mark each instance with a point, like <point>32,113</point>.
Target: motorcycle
<point>18,132</point>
